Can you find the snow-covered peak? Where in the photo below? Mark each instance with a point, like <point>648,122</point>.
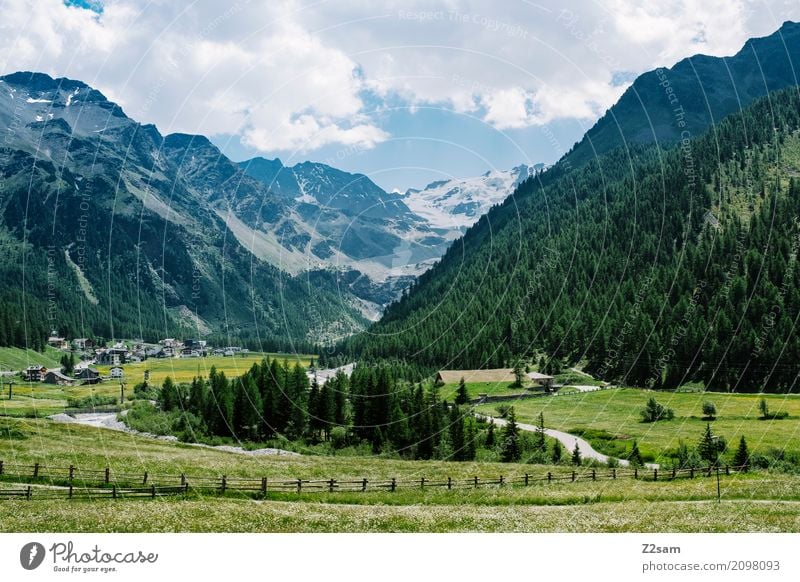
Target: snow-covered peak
<point>460,202</point>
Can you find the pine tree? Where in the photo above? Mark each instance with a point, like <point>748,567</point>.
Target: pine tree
<point>510,450</point>
<point>247,408</point>
<point>462,395</point>
<point>742,457</point>
<point>541,441</point>
<point>764,408</point>
<point>168,396</point>
<point>710,446</point>
<point>576,455</point>
<point>558,453</point>
<point>489,443</point>
<point>635,457</point>
<point>519,373</point>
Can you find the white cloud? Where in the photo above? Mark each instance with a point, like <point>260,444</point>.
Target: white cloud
<point>285,77</point>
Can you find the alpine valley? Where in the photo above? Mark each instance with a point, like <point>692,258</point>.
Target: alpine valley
<point>110,229</point>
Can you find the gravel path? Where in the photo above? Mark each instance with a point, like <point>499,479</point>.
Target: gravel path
<point>109,420</point>
<point>569,441</point>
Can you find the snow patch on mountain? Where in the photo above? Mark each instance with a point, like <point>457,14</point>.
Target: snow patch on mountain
<point>460,202</point>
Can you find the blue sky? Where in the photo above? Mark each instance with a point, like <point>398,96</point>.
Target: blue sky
<point>406,91</point>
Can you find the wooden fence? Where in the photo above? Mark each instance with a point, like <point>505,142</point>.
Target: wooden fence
<point>45,482</point>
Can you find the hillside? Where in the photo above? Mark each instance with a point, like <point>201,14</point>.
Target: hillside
<point>653,267</point>
<point>104,234</point>
<point>666,105</point>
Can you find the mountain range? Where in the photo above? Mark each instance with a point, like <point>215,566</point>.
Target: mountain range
<point>150,235</point>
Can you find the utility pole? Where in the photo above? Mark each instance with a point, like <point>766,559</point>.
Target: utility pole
<point>10,386</point>
<point>122,393</point>
<point>715,439</point>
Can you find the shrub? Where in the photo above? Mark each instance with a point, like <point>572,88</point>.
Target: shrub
<point>502,410</point>
<point>654,411</point>
<point>339,437</point>
<point>92,401</point>
<point>709,411</point>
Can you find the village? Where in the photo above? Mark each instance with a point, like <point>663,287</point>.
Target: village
<point>82,357</point>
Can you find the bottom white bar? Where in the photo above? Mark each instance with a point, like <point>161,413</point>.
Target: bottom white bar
<point>409,557</point>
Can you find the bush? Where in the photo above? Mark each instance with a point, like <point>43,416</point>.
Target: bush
<point>9,433</point>
<point>502,410</point>
<point>339,437</point>
<point>92,401</point>
<point>654,411</point>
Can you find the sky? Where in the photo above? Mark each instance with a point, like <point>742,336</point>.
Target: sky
<point>407,92</point>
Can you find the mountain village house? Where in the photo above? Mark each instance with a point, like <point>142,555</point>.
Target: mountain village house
<point>34,373</point>
<point>56,377</point>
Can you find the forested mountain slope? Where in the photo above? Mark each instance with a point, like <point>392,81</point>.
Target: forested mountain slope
<point>103,234</point>
<point>699,91</point>
<point>654,267</point>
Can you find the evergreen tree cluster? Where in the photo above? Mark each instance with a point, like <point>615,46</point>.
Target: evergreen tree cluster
<point>375,405</point>
<point>655,267</point>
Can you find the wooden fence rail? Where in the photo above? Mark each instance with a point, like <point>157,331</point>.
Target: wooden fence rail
<point>73,482</point>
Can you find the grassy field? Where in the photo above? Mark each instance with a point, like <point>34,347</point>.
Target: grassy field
<point>448,391</point>
<point>757,501</point>
<point>39,399</point>
<point>616,413</point>
<point>17,359</point>
<point>184,369</point>
<point>34,399</point>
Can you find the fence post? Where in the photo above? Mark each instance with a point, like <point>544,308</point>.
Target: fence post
<point>363,484</point>
<point>502,481</point>
<point>655,474</point>
<point>636,472</point>
<point>144,481</point>
<point>299,485</point>
<point>549,476</point>
<point>594,475</point>
<point>394,484</point>
<point>673,473</point>
<point>573,476</point>
<point>71,473</point>
<point>108,475</point>
<point>35,470</point>
<point>449,483</point>
<point>1,467</point>
<point>224,483</point>
<point>422,483</point>
<point>263,485</point>
<point>153,491</point>
<point>691,472</point>
<point>114,492</point>
<point>28,493</point>
<point>526,479</point>
<point>70,490</point>
<point>186,488</point>
<point>476,481</point>
<point>331,484</point>
<point>613,473</point>
<point>183,479</point>
<point>727,470</point>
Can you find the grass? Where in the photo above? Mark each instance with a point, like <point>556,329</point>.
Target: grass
<point>18,359</point>
<point>39,400</point>
<point>184,369</point>
<point>448,391</point>
<point>758,501</point>
<point>617,412</point>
